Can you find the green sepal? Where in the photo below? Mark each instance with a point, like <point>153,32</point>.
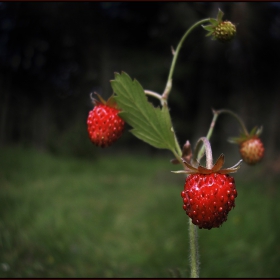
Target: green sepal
<point>259,131</point>
<point>208,27</point>
<point>214,22</point>
<point>243,137</point>
<point>220,16</point>
<point>256,131</point>
<point>253,131</point>
<point>236,140</point>
<point>149,124</point>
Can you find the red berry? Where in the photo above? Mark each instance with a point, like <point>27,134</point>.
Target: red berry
<point>104,125</point>
<point>252,150</point>
<point>208,198</point>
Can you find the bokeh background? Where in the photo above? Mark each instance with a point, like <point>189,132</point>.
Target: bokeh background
<point>70,209</point>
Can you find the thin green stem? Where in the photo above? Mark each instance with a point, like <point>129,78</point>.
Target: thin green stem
<point>194,254</point>
<point>175,56</point>
<point>236,117</point>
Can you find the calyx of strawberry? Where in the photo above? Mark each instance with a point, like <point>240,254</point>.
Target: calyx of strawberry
<point>190,169</point>
<point>193,166</point>
<point>110,102</point>
<point>255,132</point>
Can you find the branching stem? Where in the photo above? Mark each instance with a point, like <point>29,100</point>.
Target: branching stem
<point>154,94</point>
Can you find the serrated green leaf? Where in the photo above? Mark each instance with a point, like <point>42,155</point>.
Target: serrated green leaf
<point>150,124</point>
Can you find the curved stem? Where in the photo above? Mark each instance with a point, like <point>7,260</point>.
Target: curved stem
<point>154,94</point>
<point>236,117</point>
<point>208,151</point>
<point>175,56</point>
<point>208,136</point>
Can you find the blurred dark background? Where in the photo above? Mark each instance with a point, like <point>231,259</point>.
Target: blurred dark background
<point>54,54</point>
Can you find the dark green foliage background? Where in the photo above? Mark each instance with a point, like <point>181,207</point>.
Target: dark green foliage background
<point>121,216</point>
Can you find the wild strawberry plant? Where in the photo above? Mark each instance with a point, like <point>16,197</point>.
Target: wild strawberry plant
<point>209,192</point>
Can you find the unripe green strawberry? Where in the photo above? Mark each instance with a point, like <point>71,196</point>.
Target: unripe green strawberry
<point>224,31</point>
<point>208,198</point>
<point>252,150</point>
<point>103,123</point>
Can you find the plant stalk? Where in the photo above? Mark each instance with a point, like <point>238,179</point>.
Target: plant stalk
<point>194,252</point>
<point>175,56</point>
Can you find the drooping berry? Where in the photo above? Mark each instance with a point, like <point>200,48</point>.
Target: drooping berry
<point>209,194</point>
<point>252,150</point>
<point>251,147</point>
<point>208,198</point>
<point>224,31</point>
<point>104,126</point>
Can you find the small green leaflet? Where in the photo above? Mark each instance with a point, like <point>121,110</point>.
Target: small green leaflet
<point>150,124</point>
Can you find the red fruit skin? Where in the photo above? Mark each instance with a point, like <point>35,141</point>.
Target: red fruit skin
<point>252,150</point>
<point>104,125</point>
<point>208,198</point>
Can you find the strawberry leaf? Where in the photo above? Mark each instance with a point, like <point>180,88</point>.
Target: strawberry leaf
<point>151,125</point>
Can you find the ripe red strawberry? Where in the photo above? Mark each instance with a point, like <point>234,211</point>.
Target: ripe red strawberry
<point>103,123</point>
<point>209,194</point>
<point>208,198</point>
<point>252,150</point>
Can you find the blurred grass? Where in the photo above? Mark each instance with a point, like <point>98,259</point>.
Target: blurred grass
<point>121,216</point>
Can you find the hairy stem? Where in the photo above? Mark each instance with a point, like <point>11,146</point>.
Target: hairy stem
<point>194,253</point>
<point>156,95</point>
<point>208,151</point>
<point>175,56</point>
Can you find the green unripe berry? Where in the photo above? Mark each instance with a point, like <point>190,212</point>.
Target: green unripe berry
<point>224,31</point>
